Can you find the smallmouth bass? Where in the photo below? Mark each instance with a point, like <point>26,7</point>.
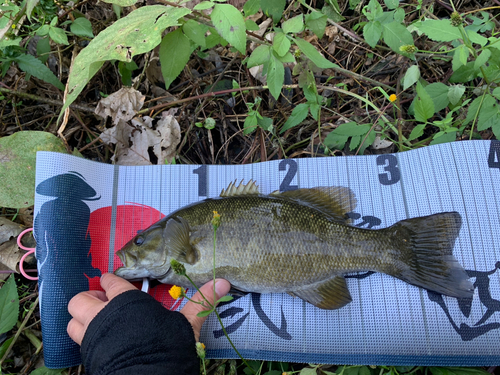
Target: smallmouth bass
<point>299,242</point>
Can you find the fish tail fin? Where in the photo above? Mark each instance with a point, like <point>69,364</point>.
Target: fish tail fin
<point>426,259</point>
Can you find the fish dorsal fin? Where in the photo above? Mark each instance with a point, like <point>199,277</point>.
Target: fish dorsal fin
<point>328,295</point>
<point>232,190</point>
<point>335,201</point>
<point>177,241</point>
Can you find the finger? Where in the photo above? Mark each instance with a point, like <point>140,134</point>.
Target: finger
<point>114,285</point>
<point>85,306</point>
<point>76,331</point>
<point>191,309</point>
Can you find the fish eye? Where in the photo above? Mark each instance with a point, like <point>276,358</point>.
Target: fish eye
<point>139,240</point>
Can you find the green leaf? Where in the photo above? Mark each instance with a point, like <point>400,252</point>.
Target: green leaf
<point>30,64</point>
<point>9,305</point>
<point>473,110</point>
<point>334,141</point>
<point>44,30</point>
<point>496,93</point>
<point>125,70</point>
<point>47,371</point>
<point>396,35</point>
<point>204,5</point>
<point>259,56</point>
<point>444,138</point>
<point>476,38</point>
<point>424,107</point>
<point>194,31</point>
<point>43,49</point>
<point>30,5</point>
<point>121,3</point>
<point>439,94</point>
<point>482,58</point>
<point>351,129</point>
<point>313,54</point>
<point>250,124</point>
<point>399,15</point>
<point>281,44</point>
<point>308,371</point>
<point>265,123</point>
<point>138,32</point>
<point>273,8</point>
<point>175,51</point>
<point>5,345</point>
<point>298,115</point>
<point>412,75</point>
<point>375,10</point>
<point>372,32</point>
<point>204,313</point>
<point>225,299</point>
<point>488,113</point>
<point>316,22</point>
<point>229,23</point>
<point>275,76</point>
<point>465,73</point>
<point>440,30</point>
<point>287,58</point>
<point>251,25</point>
<point>82,27</point>
<point>58,35</point>
<point>17,166</point>
<point>455,93</point>
<point>296,24</point>
<point>416,132</point>
<point>251,7</point>
<point>460,57</point>
<point>391,4</point>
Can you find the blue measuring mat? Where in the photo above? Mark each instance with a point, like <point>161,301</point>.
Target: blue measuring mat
<point>85,211</point>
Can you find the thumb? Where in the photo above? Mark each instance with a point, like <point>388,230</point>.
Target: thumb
<point>191,309</point>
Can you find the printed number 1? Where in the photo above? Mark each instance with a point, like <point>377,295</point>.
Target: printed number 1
<point>292,171</point>
<point>202,180</point>
<point>494,155</point>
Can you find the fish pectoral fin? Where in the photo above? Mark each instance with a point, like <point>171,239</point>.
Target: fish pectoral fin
<point>328,295</point>
<point>335,201</point>
<point>177,240</point>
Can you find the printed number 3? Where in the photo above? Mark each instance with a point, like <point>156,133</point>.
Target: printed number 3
<point>392,174</point>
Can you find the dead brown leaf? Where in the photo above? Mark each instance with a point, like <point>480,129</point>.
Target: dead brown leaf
<point>121,105</point>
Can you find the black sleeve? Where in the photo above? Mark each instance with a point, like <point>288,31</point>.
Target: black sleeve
<point>135,334</point>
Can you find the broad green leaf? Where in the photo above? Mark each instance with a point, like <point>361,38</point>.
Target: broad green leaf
<point>204,5</point>
<point>47,371</point>
<point>225,299</point>
<point>439,94</point>
<point>121,3</point>
<point>488,114</point>
<point>416,132</point>
<point>391,4</point>
<point>250,124</point>
<point>334,141</point>
<point>281,44</point>
<point>296,24</point>
<point>43,49</point>
<point>351,129</point>
<point>316,22</point>
<point>375,10</point>
<point>424,107</point>
<point>372,32</point>
<point>412,75</point>
<point>308,371</point>
<point>44,30</point>
<point>259,56</point>
<point>365,142</point>
<point>30,5</point>
<point>465,73</point>
<point>82,27</point>
<point>399,15</point>
<point>444,138</point>
<point>476,38</point>
<point>138,32</point>
<point>58,35</point>
<point>273,8</point>
<point>9,305</point>
<point>460,57</point>
<point>5,345</point>
<point>496,93</point>
<point>287,58</point>
<point>175,51</point>
<point>30,64</point>
<point>229,23</point>
<point>275,76</point>
<point>298,115</point>
<point>17,166</point>
<point>455,93</point>
<point>396,35</point>
<point>265,123</point>
<point>251,7</point>
<point>482,58</point>
<point>473,110</point>
<point>440,30</point>
<point>313,54</point>
<point>194,31</point>
<point>332,13</point>
<point>251,25</point>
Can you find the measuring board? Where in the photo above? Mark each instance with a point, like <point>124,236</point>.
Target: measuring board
<point>85,211</point>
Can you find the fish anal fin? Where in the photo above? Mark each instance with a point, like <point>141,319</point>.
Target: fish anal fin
<point>328,295</point>
<point>177,240</point>
<point>335,201</point>
<point>232,190</point>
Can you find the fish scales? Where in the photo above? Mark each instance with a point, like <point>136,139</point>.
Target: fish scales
<point>298,242</point>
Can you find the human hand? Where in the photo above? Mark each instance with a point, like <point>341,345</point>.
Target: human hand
<point>86,305</point>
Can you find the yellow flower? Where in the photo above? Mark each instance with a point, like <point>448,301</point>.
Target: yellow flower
<point>202,345</point>
<point>393,98</point>
<point>176,292</point>
<point>216,215</point>
<point>216,220</point>
<point>13,25</point>
<point>200,350</point>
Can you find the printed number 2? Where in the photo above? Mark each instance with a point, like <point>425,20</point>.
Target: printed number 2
<point>202,180</point>
<point>392,174</point>
<point>292,171</point>
<point>494,155</point>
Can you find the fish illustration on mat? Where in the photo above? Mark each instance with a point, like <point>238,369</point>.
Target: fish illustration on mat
<point>299,242</point>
